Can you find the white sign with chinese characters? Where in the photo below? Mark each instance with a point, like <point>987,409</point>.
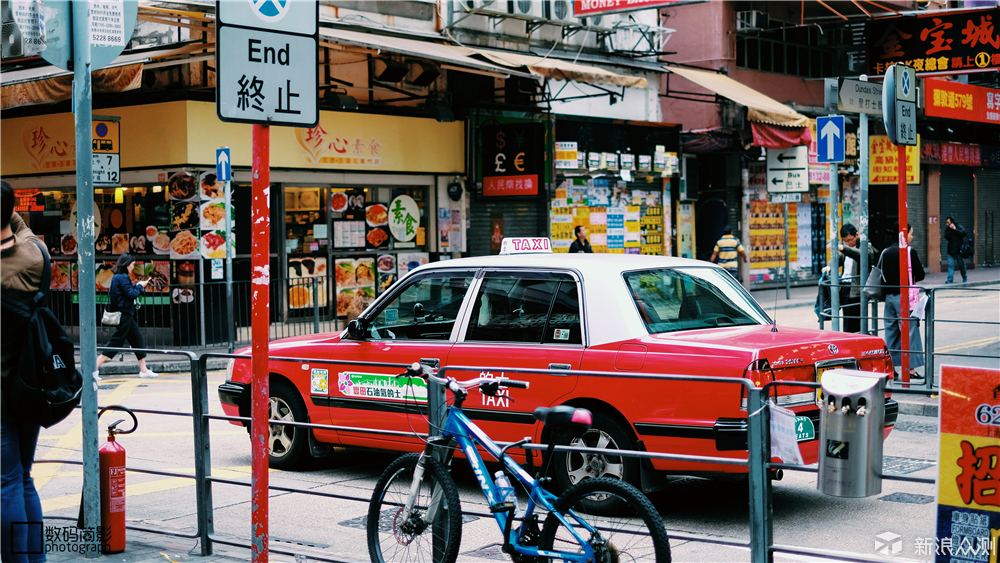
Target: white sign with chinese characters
<point>107,23</point>
<point>404,218</point>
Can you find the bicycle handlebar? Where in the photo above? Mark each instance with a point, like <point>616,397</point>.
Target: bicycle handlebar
<point>427,373</point>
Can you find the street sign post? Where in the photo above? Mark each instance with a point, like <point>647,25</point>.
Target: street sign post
<point>858,96</point>
<point>224,173</point>
<point>223,167</point>
<point>106,144</point>
<point>266,69</point>
<point>830,147</point>
<point>788,169</point>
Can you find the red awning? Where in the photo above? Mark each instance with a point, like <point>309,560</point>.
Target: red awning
<point>777,137</point>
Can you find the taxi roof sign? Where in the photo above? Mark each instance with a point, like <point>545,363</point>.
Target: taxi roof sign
<point>525,245</point>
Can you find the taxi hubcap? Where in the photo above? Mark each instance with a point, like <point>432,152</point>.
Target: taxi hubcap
<point>580,466</point>
<point>280,437</point>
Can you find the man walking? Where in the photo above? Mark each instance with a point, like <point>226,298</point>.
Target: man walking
<point>955,234</point>
<point>727,250</point>
<point>580,243</point>
<point>850,290</point>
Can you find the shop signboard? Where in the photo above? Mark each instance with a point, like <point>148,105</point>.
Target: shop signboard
<point>882,161</point>
<point>583,8</point>
<point>513,155</point>
<point>965,102</point>
<point>968,517</point>
<point>940,45</point>
<point>265,56</point>
<point>937,152</point>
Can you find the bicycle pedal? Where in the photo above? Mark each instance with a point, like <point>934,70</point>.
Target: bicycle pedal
<point>502,507</point>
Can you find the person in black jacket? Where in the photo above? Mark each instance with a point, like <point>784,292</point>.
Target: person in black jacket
<point>893,307</point>
<point>121,297</point>
<point>580,243</point>
<point>955,234</point>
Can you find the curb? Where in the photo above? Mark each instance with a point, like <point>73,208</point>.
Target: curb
<point>131,368</point>
<point>927,407</point>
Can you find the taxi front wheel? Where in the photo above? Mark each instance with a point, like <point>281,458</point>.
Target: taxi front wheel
<point>570,468</point>
<point>288,445</point>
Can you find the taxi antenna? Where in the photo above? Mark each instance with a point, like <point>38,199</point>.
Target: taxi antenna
<point>774,313</point>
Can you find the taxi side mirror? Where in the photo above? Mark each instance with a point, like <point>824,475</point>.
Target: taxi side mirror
<point>357,329</point>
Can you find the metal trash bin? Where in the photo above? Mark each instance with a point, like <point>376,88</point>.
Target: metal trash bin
<point>851,423</point>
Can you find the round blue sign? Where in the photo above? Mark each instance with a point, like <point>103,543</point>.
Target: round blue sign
<point>102,129</point>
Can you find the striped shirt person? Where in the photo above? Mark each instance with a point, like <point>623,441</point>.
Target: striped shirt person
<point>727,250</point>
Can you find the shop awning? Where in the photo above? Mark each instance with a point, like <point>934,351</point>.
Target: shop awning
<point>557,69</point>
<point>425,49</point>
<point>48,84</point>
<point>760,108</point>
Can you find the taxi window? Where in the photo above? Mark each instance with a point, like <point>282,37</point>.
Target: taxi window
<point>536,307</point>
<point>425,309</point>
<point>691,298</point>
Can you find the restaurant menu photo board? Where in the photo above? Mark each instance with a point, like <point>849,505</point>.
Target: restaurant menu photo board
<point>355,285</point>
<point>302,291</point>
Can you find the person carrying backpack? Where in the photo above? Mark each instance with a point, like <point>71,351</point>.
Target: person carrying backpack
<point>21,266</point>
<point>955,234</point>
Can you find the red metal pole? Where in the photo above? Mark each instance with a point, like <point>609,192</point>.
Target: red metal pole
<point>904,255</point>
<point>260,322</point>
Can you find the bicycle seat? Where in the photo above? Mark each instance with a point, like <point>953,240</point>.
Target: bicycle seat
<point>565,418</point>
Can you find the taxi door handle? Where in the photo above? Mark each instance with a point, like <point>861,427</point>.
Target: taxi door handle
<point>560,366</point>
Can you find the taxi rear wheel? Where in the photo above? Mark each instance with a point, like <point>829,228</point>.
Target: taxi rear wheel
<point>569,468</point>
<point>288,445</point>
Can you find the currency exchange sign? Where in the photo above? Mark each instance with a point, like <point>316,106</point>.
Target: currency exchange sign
<point>266,62</point>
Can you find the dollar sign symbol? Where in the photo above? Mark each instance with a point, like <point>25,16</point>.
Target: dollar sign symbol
<point>500,141</point>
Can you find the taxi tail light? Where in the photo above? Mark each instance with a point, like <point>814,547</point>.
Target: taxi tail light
<point>759,371</point>
<point>880,364</point>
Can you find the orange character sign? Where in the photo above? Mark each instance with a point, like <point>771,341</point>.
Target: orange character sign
<point>969,479</point>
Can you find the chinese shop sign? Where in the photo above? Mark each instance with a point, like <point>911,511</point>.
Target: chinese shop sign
<point>512,158</point>
<point>967,102</point>
<point>945,44</point>
<point>882,161</point>
<point>968,522</point>
<point>404,218</point>
<point>935,152</point>
<point>29,201</point>
<point>265,63</point>
<point>583,8</point>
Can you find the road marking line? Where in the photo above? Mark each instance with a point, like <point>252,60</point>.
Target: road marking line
<point>964,345</point>
<point>73,440</point>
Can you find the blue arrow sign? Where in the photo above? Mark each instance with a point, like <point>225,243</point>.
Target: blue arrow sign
<point>830,147</point>
<point>223,170</point>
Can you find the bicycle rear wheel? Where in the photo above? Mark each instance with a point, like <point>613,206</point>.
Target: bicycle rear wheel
<point>392,538</point>
<point>632,532</point>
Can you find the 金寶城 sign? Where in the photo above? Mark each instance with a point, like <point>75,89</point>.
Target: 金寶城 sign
<point>967,102</point>
<point>936,44</point>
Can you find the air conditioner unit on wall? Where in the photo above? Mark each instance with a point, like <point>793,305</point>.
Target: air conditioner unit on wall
<point>603,23</point>
<point>560,12</point>
<point>488,7</point>
<point>751,19</point>
<point>526,9</point>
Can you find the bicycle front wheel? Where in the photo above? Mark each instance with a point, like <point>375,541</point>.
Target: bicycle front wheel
<point>633,531</point>
<point>395,538</point>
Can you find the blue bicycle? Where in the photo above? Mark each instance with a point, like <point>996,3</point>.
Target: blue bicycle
<point>415,513</point>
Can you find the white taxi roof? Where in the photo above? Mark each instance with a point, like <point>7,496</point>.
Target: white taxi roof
<point>610,311</point>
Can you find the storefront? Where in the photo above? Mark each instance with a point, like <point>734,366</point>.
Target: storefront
<point>354,200</point>
<point>618,180</point>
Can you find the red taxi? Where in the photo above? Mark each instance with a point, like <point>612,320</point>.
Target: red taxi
<point>566,313</point>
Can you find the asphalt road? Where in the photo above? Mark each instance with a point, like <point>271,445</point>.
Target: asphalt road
<point>334,527</point>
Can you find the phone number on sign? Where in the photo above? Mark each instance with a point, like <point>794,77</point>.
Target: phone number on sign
<point>988,414</point>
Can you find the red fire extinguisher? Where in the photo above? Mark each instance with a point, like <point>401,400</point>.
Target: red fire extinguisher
<point>112,461</point>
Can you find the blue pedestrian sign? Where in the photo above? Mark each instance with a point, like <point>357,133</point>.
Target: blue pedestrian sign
<point>830,145</point>
<point>223,170</point>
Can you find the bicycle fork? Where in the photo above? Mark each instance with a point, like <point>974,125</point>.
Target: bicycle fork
<point>412,522</point>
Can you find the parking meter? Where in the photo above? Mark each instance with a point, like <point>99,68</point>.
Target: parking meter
<point>852,418</point>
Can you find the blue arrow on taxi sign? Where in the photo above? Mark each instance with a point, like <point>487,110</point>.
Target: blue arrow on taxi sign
<point>830,146</point>
<point>223,169</point>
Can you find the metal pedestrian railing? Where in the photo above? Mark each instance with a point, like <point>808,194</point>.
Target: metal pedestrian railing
<point>758,461</point>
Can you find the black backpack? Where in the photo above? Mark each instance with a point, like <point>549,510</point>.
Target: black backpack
<point>45,386</point>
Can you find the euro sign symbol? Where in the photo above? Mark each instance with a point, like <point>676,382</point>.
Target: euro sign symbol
<point>499,162</point>
<point>500,142</point>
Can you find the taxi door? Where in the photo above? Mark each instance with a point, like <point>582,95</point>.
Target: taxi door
<point>415,323</point>
<point>520,319</point>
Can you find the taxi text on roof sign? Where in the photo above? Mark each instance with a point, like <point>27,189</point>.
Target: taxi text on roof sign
<point>526,245</point>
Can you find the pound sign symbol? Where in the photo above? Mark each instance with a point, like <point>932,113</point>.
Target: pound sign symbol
<point>499,162</point>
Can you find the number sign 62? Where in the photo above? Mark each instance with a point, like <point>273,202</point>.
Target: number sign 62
<point>988,414</point>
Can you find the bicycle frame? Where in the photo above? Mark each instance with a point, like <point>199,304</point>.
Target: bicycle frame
<point>458,427</point>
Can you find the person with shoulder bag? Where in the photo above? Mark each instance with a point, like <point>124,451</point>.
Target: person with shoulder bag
<point>850,289</point>
<point>893,306</point>
<point>121,299</point>
<point>22,265</point>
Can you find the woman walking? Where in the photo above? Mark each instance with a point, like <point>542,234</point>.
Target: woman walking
<point>893,306</point>
<point>122,298</point>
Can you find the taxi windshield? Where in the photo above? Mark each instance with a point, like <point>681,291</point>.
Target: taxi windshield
<point>675,299</point>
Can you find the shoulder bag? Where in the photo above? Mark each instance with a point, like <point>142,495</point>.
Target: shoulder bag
<point>873,286</point>
<point>111,318</point>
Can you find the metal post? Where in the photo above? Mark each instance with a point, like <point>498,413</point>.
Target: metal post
<point>259,390</point>
<point>904,265</point>
<point>929,340</point>
<point>201,305</point>
<point>82,104</point>
<point>759,448</point>
<point>834,251</point>
<point>202,453</point>
<point>315,282</point>
<point>863,218</point>
<point>230,318</point>
<point>788,275</point>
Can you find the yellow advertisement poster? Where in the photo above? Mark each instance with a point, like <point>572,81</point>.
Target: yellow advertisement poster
<point>882,161</point>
